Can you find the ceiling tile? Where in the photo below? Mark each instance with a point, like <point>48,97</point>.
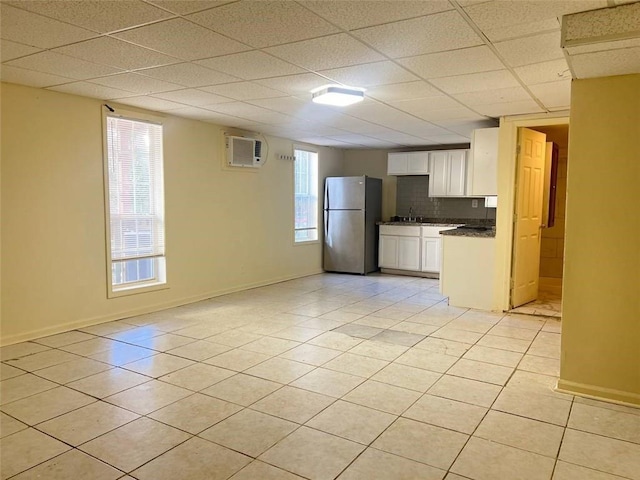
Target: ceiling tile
<point>402,91</point>
<point>327,52</point>
<point>132,82</point>
<point>366,13</point>
<point>206,116</point>
<point>455,62</point>
<point>31,29</point>
<point>544,72</point>
<point>244,91</point>
<point>355,125</point>
<point>494,15</point>
<point>289,105</point>
<point>553,94</point>
<point>300,84</point>
<point>57,64</point>
<point>182,39</point>
<point>251,65</point>
<point>10,50</point>
<point>323,141</point>
<point>183,7</point>
<point>239,109</point>
<point>370,74</point>
<point>507,32</point>
<point>449,139</point>
<point>400,137</point>
<point>465,128</point>
<point>86,89</point>
<point>607,63</point>
<point>354,138</point>
<point>511,108</point>
<point>439,116</point>
<point>498,95</point>
<point>528,50</point>
<point>264,23</point>
<point>435,33</point>
<point>193,97</point>
<point>150,103</point>
<point>476,82</point>
<point>116,53</point>
<point>383,114</point>
<point>272,118</point>
<point>22,76</point>
<point>96,15</point>
<point>418,106</point>
<point>188,74</point>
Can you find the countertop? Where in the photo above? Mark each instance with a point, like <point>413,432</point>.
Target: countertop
<point>470,232</point>
<point>466,227</point>
<point>422,224</point>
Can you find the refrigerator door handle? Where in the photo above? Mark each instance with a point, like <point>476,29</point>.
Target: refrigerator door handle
<point>326,195</point>
<point>327,239</point>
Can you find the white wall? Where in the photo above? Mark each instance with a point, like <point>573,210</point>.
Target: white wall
<point>226,230</point>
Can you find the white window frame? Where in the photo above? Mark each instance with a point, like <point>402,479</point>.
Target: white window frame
<point>159,282</point>
<point>313,185</point>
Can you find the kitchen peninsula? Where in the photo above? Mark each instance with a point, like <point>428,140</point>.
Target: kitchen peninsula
<point>468,265</point>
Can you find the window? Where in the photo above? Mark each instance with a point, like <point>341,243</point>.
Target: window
<point>306,196</point>
<point>135,207</point>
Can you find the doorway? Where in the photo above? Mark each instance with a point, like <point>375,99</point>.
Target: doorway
<point>547,299</point>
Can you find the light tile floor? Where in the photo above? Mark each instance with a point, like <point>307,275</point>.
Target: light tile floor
<point>548,303</point>
<point>329,376</point>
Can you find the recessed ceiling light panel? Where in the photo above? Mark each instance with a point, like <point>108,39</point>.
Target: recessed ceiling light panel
<point>337,95</point>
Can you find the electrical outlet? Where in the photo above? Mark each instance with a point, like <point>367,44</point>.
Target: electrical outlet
<point>474,203</point>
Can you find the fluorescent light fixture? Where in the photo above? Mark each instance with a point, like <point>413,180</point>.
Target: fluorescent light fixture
<point>337,95</point>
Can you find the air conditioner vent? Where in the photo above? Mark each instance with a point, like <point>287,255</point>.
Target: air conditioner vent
<point>244,152</point>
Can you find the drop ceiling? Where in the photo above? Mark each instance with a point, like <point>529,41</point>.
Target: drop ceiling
<point>433,69</point>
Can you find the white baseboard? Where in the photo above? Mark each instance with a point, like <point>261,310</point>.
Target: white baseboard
<point>86,322</point>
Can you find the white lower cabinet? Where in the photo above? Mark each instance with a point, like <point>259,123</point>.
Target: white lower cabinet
<point>431,255</point>
<point>399,247</point>
<point>410,248</point>
<point>409,253</point>
<point>388,251</point>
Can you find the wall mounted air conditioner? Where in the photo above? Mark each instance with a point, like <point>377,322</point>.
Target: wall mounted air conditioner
<point>244,152</point>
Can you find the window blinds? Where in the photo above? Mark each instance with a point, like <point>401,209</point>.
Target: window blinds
<point>306,195</point>
<point>136,189</point>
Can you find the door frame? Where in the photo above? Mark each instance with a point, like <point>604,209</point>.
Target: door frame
<point>507,143</point>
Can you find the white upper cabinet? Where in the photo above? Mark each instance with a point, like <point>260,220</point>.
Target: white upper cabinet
<point>397,164</point>
<point>418,163</point>
<point>448,176</point>
<point>483,163</point>
<point>408,163</point>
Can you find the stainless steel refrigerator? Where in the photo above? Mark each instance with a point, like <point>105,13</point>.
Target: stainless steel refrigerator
<point>352,206</point>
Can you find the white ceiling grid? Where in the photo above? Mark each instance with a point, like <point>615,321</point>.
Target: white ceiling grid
<point>433,69</point>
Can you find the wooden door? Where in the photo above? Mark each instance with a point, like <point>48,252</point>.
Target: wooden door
<point>528,216</point>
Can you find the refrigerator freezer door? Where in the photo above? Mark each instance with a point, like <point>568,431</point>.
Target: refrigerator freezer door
<point>344,241</point>
<point>344,193</point>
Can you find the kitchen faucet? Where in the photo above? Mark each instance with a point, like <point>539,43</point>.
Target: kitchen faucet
<point>410,213</point>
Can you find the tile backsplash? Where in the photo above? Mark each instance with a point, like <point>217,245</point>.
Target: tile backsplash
<point>413,191</point>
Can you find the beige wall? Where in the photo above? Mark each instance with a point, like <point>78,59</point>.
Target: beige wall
<point>226,230</point>
<point>601,287</point>
<point>374,164</point>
